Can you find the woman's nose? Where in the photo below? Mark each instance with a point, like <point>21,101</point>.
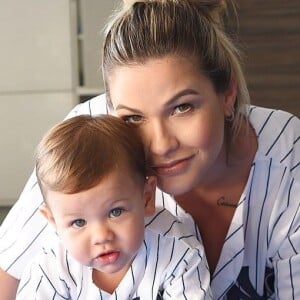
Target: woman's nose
<point>161,139</point>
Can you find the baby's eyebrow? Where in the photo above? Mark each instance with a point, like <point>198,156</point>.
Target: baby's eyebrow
<point>72,214</point>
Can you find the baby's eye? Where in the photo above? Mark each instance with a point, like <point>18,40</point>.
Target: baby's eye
<point>78,223</point>
<point>182,108</point>
<point>133,119</point>
<point>116,212</point>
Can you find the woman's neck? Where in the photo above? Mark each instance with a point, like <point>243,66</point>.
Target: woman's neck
<point>203,203</point>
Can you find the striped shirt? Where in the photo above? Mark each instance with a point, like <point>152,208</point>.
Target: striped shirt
<point>260,257</point>
<point>169,265</point>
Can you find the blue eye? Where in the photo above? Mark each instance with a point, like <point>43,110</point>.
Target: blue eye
<point>116,212</point>
<point>78,223</point>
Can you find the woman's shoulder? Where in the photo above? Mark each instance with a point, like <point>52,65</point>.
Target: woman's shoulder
<point>264,119</point>
<point>94,106</point>
<point>278,134</point>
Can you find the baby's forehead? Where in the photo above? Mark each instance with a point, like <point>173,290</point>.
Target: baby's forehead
<point>129,171</point>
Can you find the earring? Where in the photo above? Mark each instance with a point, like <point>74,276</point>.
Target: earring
<point>230,118</point>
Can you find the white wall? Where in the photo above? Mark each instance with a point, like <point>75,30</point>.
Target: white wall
<point>39,77</point>
<point>94,15</point>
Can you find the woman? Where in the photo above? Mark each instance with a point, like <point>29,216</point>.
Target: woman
<point>227,169</point>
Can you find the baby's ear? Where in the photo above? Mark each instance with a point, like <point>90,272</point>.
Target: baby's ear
<point>46,212</point>
<point>149,195</point>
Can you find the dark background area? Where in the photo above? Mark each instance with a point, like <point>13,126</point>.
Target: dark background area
<point>269,35</point>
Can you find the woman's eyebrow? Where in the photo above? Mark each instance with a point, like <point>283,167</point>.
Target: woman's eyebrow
<point>180,94</point>
<point>122,106</point>
<point>174,98</point>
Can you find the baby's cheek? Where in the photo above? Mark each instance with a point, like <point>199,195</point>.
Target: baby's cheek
<point>137,238</point>
<point>80,252</point>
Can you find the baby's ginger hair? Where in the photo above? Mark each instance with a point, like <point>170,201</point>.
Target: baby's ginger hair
<point>77,153</point>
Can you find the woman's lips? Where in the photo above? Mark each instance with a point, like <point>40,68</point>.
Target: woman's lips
<point>108,257</point>
<point>173,168</point>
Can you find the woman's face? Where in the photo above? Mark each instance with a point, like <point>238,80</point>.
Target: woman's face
<point>179,116</point>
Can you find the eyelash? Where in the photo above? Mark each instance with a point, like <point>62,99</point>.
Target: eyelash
<point>111,214</point>
<point>73,224</point>
<point>130,119</point>
<point>187,108</point>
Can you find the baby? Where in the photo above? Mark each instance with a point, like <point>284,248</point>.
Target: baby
<point>112,241</point>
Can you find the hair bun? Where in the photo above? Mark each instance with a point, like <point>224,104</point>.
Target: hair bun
<point>131,2</point>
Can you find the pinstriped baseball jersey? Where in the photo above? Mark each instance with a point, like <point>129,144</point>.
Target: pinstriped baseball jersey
<point>169,265</point>
<point>260,256</point>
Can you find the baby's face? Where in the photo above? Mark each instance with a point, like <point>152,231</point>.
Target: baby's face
<point>103,227</point>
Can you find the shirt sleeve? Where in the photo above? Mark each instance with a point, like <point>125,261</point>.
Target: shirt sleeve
<point>286,260</point>
<point>42,279</point>
<point>24,229</point>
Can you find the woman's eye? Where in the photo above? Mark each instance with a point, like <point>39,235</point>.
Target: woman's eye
<point>116,212</point>
<point>182,108</point>
<point>133,119</point>
<point>78,223</point>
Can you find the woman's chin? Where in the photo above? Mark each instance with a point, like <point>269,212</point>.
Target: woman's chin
<point>174,187</point>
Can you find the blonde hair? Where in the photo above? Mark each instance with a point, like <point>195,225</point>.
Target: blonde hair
<point>143,30</point>
<point>77,153</point>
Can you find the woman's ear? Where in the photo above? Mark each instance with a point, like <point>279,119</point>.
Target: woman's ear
<point>46,212</point>
<point>230,97</point>
<point>149,195</point>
